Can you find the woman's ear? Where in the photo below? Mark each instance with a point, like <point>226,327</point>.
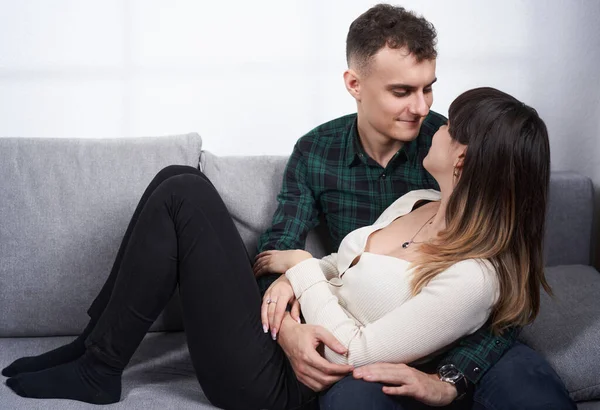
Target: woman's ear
<point>460,160</point>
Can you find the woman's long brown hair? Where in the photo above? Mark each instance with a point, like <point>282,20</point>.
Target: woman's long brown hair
<point>498,207</point>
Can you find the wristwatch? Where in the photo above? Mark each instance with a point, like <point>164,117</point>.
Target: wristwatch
<point>450,374</point>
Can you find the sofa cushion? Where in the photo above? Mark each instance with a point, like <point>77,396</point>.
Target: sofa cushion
<point>249,186</point>
<point>570,215</point>
<point>567,329</point>
<point>64,207</point>
<point>159,376</point>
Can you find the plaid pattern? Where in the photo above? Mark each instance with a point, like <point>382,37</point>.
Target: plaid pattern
<point>476,354</point>
<point>330,176</point>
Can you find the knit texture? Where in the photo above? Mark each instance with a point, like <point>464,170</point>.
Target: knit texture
<point>369,307</point>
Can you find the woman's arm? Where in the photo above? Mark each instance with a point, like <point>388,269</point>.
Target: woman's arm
<point>455,303</point>
<point>280,294</point>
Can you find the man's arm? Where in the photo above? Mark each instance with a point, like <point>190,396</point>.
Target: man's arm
<point>296,212</point>
<point>477,353</point>
<point>474,356</point>
<point>301,343</point>
<point>295,216</point>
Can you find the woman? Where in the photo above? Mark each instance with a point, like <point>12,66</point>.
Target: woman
<point>478,243</point>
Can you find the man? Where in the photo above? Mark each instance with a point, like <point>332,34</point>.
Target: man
<point>347,171</point>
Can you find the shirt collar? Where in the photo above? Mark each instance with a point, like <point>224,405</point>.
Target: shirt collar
<point>356,153</point>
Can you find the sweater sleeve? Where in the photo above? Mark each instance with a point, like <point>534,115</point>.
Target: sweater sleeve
<point>328,265</point>
<point>455,303</point>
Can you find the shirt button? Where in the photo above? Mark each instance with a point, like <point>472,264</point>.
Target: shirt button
<point>382,176</point>
<point>336,282</point>
<point>476,369</point>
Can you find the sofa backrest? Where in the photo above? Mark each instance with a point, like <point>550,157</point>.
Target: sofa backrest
<point>65,205</point>
<point>249,185</point>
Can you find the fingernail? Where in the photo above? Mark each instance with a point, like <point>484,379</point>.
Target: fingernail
<point>298,320</point>
<point>358,373</point>
<point>274,334</point>
<point>265,328</point>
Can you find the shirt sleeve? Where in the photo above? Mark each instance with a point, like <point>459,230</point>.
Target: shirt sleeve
<point>455,303</point>
<point>296,212</point>
<point>477,353</point>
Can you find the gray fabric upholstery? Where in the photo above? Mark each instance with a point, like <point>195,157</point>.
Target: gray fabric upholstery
<point>567,330</point>
<point>569,220</point>
<point>159,376</point>
<point>249,186</point>
<point>65,204</point>
<point>64,207</point>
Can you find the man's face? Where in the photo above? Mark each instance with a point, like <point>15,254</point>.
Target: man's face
<point>395,95</point>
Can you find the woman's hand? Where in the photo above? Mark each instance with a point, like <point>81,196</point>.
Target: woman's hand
<point>278,261</point>
<point>275,301</point>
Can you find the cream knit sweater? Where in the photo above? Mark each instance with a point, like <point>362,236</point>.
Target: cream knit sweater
<point>369,308</point>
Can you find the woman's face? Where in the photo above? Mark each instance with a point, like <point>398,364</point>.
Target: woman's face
<point>444,155</point>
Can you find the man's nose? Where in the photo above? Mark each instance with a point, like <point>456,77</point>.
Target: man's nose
<point>419,105</point>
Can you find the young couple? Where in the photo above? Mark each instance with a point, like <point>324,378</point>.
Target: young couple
<point>438,229</point>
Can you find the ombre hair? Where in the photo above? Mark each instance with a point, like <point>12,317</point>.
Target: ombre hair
<point>498,206</point>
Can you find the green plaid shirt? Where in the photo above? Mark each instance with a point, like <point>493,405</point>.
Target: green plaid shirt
<point>330,176</point>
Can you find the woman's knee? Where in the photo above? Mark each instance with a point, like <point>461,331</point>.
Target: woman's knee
<point>173,170</point>
<point>192,188</point>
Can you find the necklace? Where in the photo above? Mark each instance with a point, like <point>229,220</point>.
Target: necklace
<point>407,243</point>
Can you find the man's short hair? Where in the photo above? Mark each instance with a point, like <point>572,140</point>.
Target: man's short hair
<point>393,26</point>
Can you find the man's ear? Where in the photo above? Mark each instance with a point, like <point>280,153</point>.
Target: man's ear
<point>352,82</point>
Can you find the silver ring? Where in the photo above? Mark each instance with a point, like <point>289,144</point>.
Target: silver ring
<point>269,301</point>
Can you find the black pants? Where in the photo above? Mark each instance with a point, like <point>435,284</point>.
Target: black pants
<point>182,234</point>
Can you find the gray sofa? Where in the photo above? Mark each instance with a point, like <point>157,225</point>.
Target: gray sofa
<point>65,203</point>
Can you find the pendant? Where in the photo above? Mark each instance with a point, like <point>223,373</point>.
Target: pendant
<point>405,245</point>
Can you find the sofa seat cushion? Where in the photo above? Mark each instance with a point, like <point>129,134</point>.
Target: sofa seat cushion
<point>588,405</point>
<point>567,328</point>
<point>159,376</point>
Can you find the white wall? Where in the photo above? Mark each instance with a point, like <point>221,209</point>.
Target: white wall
<point>252,77</point>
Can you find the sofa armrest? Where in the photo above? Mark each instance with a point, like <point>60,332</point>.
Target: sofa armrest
<point>569,220</point>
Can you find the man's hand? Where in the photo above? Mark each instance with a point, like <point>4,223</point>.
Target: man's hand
<point>278,261</point>
<point>408,381</point>
<point>300,343</point>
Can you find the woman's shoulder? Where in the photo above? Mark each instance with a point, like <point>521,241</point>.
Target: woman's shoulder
<point>413,197</point>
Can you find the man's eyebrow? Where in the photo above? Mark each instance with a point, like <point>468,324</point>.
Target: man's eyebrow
<point>408,87</point>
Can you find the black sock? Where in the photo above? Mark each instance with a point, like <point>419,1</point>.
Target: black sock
<point>58,356</point>
<point>86,379</point>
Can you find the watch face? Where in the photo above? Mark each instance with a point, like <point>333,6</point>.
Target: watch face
<point>450,373</point>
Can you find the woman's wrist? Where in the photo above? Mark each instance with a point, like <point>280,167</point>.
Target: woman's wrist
<point>299,256</point>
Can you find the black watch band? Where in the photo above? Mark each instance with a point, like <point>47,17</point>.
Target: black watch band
<point>450,374</point>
